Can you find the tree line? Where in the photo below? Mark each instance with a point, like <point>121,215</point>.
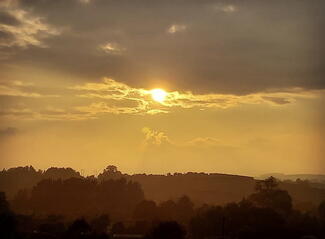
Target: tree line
<point>117,208</point>
<point>211,188</point>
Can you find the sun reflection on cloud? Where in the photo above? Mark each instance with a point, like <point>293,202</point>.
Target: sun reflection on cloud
<point>113,97</point>
<point>121,98</point>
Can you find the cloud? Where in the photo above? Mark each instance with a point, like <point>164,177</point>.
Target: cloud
<point>20,28</point>
<point>17,113</point>
<point>233,47</point>
<point>57,114</point>
<point>48,114</point>
<point>204,142</point>
<point>111,89</point>
<point>227,8</point>
<point>85,1</point>
<point>20,89</point>
<point>278,100</point>
<point>102,107</point>
<point>112,97</point>
<point>155,138</point>
<point>7,18</point>
<point>9,91</point>
<point>112,48</point>
<point>176,28</point>
<point>137,101</point>
<point>124,99</point>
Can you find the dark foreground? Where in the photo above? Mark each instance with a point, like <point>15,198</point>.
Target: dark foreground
<point>117,208</point>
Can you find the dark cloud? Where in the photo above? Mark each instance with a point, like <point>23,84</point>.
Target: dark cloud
<point>8,19</point>
<point>277,100</point>
<point>5,35</point>
<point>8,131</point>
<point>225,46</point>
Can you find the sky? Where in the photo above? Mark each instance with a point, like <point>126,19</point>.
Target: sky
<point>243,85</point>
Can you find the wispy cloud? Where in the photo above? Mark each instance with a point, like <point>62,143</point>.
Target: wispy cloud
<point>113,97</point>
<point>22,29</point>
<point>112,48</point>
<point>227,8</point>
<point>139,101</point>
<point>154,138</point>
<point>85,1</point>
<point>16,113</point>
<point>175,28</point>
<point>102,107</point>
<point>48,113</point>
<point>20,89</point>
<point>11,91</point>
<point>204,142</point>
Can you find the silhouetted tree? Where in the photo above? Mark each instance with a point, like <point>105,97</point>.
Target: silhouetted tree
<point>321,212</point>
<point>146,211</point>
<point>14,179</point>
<point>118,228</point>
<point>4,205</point>
<point>21,203</point>
<point>237,221</point>
<point>170,230</point>
<point>79,228</point>
<point>266,185</point>
<point>268,195</point>
<point>54,229</point>
<point>216,186</point>
<point>181,211</point>
<point>110,172</point>
<point>207,222</point>
<point>7,219</point>
<point>79,196</point>
<point>100,224</point>
<point>167,210</point>
<point>184,209</point>
<point>60,173</point>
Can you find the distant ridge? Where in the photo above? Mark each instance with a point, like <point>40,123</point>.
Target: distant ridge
<point>317,178</point>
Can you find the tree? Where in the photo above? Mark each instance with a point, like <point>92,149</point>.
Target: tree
<point>110,172</point>
<point>78,228</point>
<point>100,224</point>
<point>184,209</point>
<point>170,230</point>
<point>207,222</point>
<point>321,210</point>
<point>20,203</point>
<point>61,173</point>
<point>266,185</point>
<point>118,228</point>
<point>268,195</point>
<point>7,219</point>
<point>167,210</point>
<point>4,205</point>
<point>236,220</point>
<point>146,211</point>
<point>80,196</point>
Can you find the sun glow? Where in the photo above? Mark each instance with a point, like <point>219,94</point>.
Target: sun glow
<point>158,95</point>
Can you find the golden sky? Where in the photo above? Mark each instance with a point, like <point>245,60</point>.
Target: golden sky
<point>162,86</point>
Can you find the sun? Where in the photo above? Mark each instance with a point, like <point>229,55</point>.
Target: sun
<point>158,95</point>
